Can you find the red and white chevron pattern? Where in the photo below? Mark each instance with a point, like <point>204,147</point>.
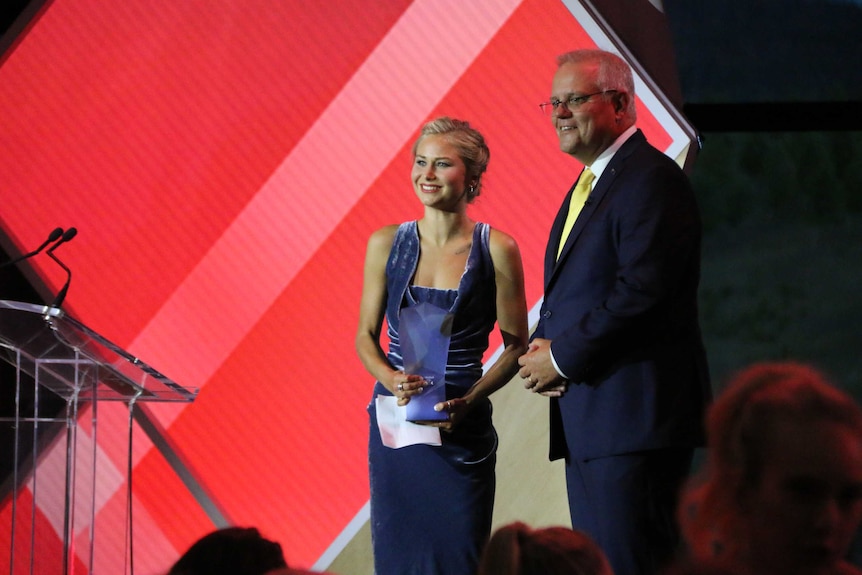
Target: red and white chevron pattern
<point>224,163</point>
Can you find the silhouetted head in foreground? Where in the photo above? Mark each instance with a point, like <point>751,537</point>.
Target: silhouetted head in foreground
<point>516,549</point>
<point>230,551</point>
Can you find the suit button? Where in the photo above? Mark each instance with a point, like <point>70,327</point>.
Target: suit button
<point>547,314</point>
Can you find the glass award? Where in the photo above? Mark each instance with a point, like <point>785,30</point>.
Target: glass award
<point>424,333</point>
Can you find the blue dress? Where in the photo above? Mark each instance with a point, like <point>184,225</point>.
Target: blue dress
<point>431,506</point>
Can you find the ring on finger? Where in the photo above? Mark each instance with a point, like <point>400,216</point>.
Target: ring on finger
<point>400,387</point>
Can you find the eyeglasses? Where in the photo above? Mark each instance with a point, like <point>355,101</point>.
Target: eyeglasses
<point>571,103</point>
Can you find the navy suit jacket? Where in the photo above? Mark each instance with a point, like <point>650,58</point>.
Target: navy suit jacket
<point>620,309</point>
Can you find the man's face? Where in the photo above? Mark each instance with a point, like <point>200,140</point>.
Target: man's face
<point>807,505</point>
<point>587,129</point>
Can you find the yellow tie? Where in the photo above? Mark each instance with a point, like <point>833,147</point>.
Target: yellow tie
<point>579,196</point>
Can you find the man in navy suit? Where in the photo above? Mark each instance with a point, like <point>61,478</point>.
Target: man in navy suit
<point>618,347</point>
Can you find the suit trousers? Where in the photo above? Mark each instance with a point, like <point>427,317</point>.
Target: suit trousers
<point>627,504</point>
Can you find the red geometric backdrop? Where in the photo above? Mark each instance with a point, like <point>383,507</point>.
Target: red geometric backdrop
<point>224,164</point>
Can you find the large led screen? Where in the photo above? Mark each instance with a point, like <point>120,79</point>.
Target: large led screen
<point>224,163</point>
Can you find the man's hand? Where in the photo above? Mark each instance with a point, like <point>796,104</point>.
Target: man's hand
<point>538,370</point>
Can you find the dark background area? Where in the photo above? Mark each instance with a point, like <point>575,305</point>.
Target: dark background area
<point>767,51</point>
<point>775,90</point>
<point>10,11</point>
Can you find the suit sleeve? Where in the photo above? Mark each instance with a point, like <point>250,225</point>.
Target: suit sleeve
<point>539,332</point>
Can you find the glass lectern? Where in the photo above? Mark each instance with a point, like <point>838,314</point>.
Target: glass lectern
<point>52,353</point>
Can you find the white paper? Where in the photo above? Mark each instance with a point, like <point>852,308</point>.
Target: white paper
<point>396,431</point>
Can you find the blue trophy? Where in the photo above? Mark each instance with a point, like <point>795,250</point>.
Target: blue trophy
<point>424,333</point>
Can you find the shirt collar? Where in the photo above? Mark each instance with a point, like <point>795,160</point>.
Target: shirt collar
<point>605,157</point>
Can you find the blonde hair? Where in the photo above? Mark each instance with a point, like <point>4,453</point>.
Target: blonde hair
<point>470,144</point>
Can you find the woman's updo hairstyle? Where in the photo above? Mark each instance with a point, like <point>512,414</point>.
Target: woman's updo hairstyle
<point>470,144</point>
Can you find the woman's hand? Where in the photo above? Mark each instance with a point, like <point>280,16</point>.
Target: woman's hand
<point>404,386</point>
<point>456,408</point>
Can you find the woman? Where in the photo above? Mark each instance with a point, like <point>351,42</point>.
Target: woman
<point>431,505</point>
<point>781,492</point>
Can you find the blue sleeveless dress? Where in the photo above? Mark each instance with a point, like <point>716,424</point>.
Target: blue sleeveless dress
<point>431,506</point>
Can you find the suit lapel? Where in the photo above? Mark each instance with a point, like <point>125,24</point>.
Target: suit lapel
<point>556,232</point>
<point>603,185</point>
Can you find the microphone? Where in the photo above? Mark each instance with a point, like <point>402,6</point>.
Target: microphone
<point>55,235</point>
<point>67,235</point>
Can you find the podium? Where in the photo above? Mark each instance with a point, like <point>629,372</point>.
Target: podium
<point>56,358</point>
